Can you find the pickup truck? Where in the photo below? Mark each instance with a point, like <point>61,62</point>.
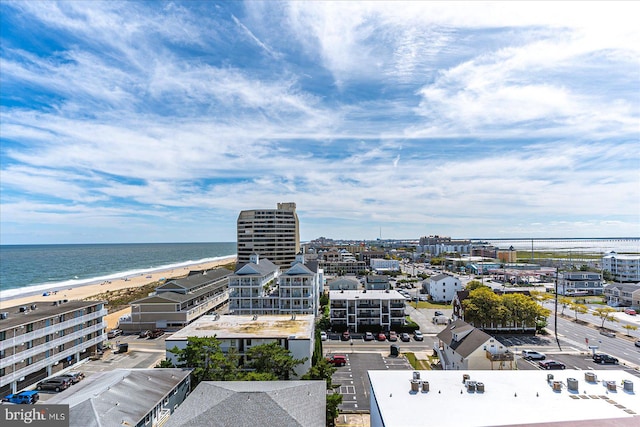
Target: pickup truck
<point>24,397</point>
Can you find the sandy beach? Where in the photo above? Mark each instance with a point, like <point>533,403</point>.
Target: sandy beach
<point>89,290</point>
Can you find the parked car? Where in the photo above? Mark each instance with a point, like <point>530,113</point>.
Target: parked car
<point>346,336</point>
<point>404,337</point>
<point>551,364</point>
<point>24,397</point>
<point>72,377</point>
<point>417,335</point>
<point>533,355</point>
<point>393,336</point>
<point>368,336</point>
<point>155,334</point>
<point>604,358</point>
<point>382,336</point>
<point>638,343</point>
<point>323,336</point>
<point>114,333</point>
<point>438,313</point>
<point>144,334</point>
<point>55,384</point>
<point>630,311</point>
<point>337,360</point>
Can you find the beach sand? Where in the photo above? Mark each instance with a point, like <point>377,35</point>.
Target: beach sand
<point>89,290</point>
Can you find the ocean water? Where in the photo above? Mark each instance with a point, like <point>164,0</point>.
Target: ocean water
<point>28,268</point>
<point>586,245</point>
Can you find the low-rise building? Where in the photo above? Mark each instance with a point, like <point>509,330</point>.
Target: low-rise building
<point>344,284</point>
<point>358,310</point>
<point>179,302</point>
<point>381,264</point>
<point>253,287</point>
<point>126,397</point>
<point>379,282</point>
<point>253,403</point>
<point>460,346</point>
<point>574,283</point>
<point>566,398</point>
<point>241,332</point>
<point>39,339</point>
<point>299,288</point>
<point>442,287</point>
<point>623,267</point>
<point>623,294</point>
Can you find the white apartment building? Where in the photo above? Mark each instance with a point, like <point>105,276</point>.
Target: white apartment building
<point>293,332</point>
<point>299,288</point>
<point>381,264</point>
<point>272,233</point>
<point>442,287</point>
<point>355,309</point>
<point>253,287</point>
<point>572,283</point>
<point>624,268</point>
<point>42,338</point>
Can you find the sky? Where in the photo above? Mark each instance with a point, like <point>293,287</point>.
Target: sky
<point>133,122</point>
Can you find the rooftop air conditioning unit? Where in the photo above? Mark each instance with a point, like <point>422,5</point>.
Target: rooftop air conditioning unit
<point>4,315</point>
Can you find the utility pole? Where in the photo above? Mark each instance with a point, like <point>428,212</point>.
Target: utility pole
<point>555,323</point>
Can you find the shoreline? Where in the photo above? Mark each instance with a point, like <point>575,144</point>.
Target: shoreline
<point>55,292</point>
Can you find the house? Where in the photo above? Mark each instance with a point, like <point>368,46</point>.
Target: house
<point>442,287</point>
<point>624,268</point>
<point>460,346</point>
<point>575,283</point>
<point>378,282</point>
<point>622,294</point>
<point>366,310</point>
<point>253,287</point>
<point>125,397</point>
<point>469,398</point>
<point>179,302</point>
<point>241,332</point>
<point>381,264</point>
<point>253,403</point>
<point>344,284</point>
<point>40,339</point>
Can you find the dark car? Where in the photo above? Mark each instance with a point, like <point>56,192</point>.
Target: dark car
<point>72,377</point>
<point>55,384</point>
<point>551,364</point>
<point>368,336</point>
<point>604,358</point>
<point>638,343</point>
<point>404,337</point>
<point>438,313</point>
<point>346,336</point>
<point>382,336</point>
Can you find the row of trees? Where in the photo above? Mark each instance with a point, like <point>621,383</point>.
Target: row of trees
<point>516,312</point>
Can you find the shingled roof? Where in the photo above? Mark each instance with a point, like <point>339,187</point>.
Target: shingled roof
<point>253,403</point>
<point>472,338</point>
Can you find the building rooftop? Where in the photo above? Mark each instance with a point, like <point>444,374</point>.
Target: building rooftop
<point>248,326</point>
<point>40,310</point>
<point>368,294</point>
<point>509,398</point>
<point>253,403</point>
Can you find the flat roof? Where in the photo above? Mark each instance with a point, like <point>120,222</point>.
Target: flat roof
<point>43,310</point>
<point>369,294</point>
<point>248,326</point>
<point>509,398</point>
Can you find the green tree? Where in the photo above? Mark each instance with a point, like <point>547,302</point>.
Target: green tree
<point>272,358</point>
<point>630,328</point>
<point>333,401</point>
<point>207,361</point>
<point>258,376</point>
<point>605,313</point>
<point>480,307</point>
<point>475,284</point>
<point>578,309</point>
<point>323,370</point>
<point>165,363</point>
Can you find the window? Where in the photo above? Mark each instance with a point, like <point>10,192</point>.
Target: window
<point>30,327</point>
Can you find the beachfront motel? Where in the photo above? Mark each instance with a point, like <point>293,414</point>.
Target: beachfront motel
<point>40,339</point>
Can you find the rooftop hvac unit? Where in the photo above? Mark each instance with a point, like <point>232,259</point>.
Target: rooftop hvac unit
<point>627,386</point>
<point>33,307</point>
<point>611,385</point>
<point>4,315</point>
<point>572,384</point>
<point>590,377</point>
<point>23,309</point>
<point>557,385</point>
<point>480,387</point>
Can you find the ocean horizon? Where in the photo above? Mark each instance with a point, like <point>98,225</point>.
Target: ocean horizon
<point>29,269</point>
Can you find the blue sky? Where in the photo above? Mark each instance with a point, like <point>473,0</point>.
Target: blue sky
<point>161,121</point>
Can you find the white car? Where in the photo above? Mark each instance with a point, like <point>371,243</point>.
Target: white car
<point>323,336</point>
<point>533,355</point>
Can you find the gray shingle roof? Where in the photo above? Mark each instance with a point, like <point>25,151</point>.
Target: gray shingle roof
<point>466,345</point>
<point>196,280</point>
<point>263,268</point>
<point>253,403</point>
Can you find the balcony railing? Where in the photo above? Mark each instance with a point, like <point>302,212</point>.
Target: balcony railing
<point>499,357</point>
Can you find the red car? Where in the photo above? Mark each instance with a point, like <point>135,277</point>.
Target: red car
<point>382,336</point>
<point>337,360</point>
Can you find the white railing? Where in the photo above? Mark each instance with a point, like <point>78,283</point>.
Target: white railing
<point>34,367</point>
<point>51,345</point>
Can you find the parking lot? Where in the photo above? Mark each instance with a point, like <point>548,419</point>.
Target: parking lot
<point>354,381</point>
